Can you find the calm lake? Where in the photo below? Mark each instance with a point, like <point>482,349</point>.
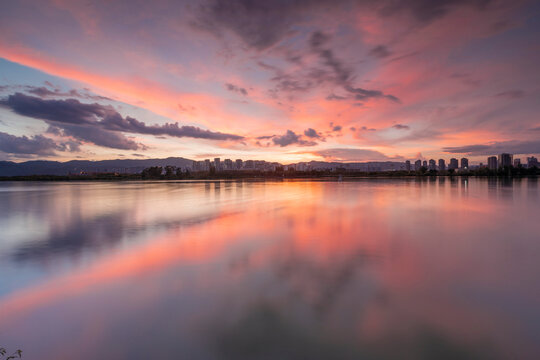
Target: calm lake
<point>367,269</point>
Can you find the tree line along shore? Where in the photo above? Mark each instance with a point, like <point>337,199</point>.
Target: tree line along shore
<point>170,173</point>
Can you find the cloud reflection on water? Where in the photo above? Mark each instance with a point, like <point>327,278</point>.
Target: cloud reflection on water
<point>370,269</point>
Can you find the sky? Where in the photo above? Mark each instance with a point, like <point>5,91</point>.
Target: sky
<point>276,80</point>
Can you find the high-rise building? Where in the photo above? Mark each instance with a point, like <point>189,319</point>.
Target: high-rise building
<point>442,165</point>
<point>532,162</point>
<point>424,164</point>
<point>417,165</point>
<point>217,164</point>
<point>207,165</point>
<point>517,162</point>
<point>505,160</point>
<point>492,163</point>
<point>408,165</point>
<point>228,164</point>
<point>453,164</point>
<point>238,164</point>
<point>432,165</point>
<point>464,163</point>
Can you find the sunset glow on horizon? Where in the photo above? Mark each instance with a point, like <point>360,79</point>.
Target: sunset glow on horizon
<point>282,81</point>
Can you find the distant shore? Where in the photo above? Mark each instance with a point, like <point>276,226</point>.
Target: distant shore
<point>253,175</point>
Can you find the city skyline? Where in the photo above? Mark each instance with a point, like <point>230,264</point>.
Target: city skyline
<point>276,81</point>
<point>179,165</point>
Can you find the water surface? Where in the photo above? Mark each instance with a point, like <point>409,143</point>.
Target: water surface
<point>368,269</point>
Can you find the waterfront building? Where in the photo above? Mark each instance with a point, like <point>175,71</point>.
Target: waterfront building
<point>239,164</point>
<point>505,160</point>
<point>464,163</point>
<point>492,163</point>
<point>442,165</point>
<point>532,162</point>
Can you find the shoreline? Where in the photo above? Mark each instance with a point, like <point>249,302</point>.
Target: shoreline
<point>252,177</point>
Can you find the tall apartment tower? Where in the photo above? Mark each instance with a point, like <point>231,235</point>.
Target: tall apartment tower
<point>464,163</point>
<point>505,160</point>
<point>417,165</point>
<point>239,164</point>
<point>408,165</point>
<point>442,165</point>
<point>453,164</point>
<point>492,163</point>
<point>532,162</point>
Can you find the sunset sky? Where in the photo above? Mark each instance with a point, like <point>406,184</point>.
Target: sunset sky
<point>275,80</point>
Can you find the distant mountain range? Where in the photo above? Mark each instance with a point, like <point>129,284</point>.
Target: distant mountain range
<point>131,166</point>
<point>42,167</point>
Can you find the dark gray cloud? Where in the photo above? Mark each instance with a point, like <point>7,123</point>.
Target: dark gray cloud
<point>290,138</point>
<point>354,154</point>
<point>262,24</point>
<point>361,129</point>
<point>335,97</point>
<point>340,73</point>
<point>317,42</point>
<point>335,127</point>
<point>116,122</point>
<point>99,124</point>
<point>98,136</point>
<point>511,94</point>
<point>512,146</point>
<point>312,133</point>
<point>380,52</point>
<point>287,139</point>
<point>30,145</point>
<point>330,70</point>
<point>363,94</point>
<point>236,89</point>
<point>401,127</point>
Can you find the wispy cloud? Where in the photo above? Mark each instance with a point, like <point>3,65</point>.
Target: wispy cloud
<point>511,94</point>
<point>236,89</point>
<point>512,146</point>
